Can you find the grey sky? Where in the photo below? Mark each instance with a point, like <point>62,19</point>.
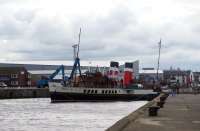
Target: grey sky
<point>111,30</point>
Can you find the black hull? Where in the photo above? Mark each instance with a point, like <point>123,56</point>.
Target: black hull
<point>76,97</point>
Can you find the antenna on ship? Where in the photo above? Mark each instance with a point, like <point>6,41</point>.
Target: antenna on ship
<point>79,40</point>
<point>158,66</point>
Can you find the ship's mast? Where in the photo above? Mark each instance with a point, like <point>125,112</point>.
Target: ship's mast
<point>76,65</point>
<point>75,50</point>
<point>159,49</point>
<point>79,40</point>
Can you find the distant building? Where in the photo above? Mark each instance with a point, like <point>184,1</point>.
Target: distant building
<point>38,72</point>
<point>15,76</point>
<point>185,78</point>
<point>148,76</point>
<point>136,68</point>
<point>196,77</point>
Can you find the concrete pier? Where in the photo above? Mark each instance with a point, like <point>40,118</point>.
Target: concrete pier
<point>180,113</point>
<point>10,93</point>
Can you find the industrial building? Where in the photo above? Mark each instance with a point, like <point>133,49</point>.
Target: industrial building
<point>148,76</point>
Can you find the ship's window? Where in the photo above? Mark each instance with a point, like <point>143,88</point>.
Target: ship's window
<point>115,91</point>
<point>112,92</point>
<point>102,91</point>
<point>84,91</point>
<point>109,91</point>
<point>88,91</point>
<point>92,91</point>
<point>95,92</point>
<point>106,92</point>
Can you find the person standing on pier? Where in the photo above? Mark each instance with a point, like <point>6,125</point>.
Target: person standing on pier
<point>173,89</point>
<point>177,86</point>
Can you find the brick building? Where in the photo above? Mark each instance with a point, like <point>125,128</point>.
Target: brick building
<point>15,76</point>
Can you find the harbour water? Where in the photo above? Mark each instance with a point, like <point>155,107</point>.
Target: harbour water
<point>41,115</point>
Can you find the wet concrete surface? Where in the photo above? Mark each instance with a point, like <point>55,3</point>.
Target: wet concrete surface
<point>180,113</point>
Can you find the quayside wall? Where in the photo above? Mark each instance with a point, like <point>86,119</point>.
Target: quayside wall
<point>122,123</point>
<point>11,93</point>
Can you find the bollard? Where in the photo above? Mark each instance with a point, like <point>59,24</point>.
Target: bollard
<point>160,104</point>
<point>166,95</point>
<point>153,110</point>
<point>163,98</point>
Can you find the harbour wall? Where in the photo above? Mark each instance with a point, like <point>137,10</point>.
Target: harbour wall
<point>10,93</point>
<point>122,123</point>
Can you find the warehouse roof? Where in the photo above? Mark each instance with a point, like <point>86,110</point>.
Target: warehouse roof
<point>150,71</point>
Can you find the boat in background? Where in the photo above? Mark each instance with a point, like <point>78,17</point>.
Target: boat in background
<point>97,86</point>
<point>73,94</point>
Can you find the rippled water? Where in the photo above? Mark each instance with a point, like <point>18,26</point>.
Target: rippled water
<point>41,115</point>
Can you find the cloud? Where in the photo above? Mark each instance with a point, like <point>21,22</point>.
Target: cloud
<point>32,30</point>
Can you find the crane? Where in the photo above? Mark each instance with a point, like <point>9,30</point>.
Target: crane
<point>44,82</point>
<point>76,66</point>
